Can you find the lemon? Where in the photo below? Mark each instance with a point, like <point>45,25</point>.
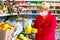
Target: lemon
<point>11,27</point>
<point>17,39</point>
<point>0,28</point>
<point>25,19</point>
<point>7,29</point>
<point>3,29</point>
<point>28,29</point>
<point>34,30</point>
<point>24,38</point>
<point>28,39</point>
<point>6,26</point>
<point>21,36</point>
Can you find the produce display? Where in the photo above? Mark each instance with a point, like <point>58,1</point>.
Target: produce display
<point>18,7</point>
<point>23,37</point>
<point>27,34</point>
<point>5,26</point>
<point>30,30</point>
<point>34,30</point>
<point>26,31</point>
<point>6,30</point>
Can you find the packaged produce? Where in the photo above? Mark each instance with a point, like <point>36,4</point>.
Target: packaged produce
<point>5,26</point>
<point>34,30</point>
<point>28,29</point>
<point>23,37</point>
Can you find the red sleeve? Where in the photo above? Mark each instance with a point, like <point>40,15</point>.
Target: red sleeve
<point>50,27</point>
<point>37,22</point>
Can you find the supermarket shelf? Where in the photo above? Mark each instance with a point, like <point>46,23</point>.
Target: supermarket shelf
<point>57,24</point>
<point>35,5</point>
<point>32,19</point>
<point>7,14</point>
<point>30,5</point>
<point>57,30</point>
<point>58,19</point>
<point>55,5</point>
<point>28,14</point>
<point>32,9</point>
<point>56,14</point>
<point>14,14</point>
<point>38,5</point>
<point>54,9</point>
<point>24,14</point>
<point>24,5</point>
<point>34,14</point>
<point>4,15</point>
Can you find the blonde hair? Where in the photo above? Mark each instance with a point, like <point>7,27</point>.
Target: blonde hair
<point>44,5</point>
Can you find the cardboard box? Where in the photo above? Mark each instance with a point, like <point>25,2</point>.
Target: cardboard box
<point>6,35</point>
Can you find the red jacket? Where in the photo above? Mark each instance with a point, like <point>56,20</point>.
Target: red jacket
<point>46,28</point>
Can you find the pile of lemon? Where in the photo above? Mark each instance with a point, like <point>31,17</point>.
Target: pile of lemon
<point>30,30</point>
<point>21,36</point>
<point>5,26</point>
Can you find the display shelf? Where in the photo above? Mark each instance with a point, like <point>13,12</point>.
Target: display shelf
<point>34,14</point>
<point>35,5</point>
<point>24,5</point>
<point>30,5</point>
<point>58,19</point>
<point>25,14</point>
<point>32,9</point>
<point>57,30</point>
<point>28,14</point>
<point>57,24</point>
<point>14,14</point>
<point>55,9</point>
<point>32,19</point>
<point>4,15</point>
<point>56,14</point>
<point>7,14</point>
<point>54,5</point>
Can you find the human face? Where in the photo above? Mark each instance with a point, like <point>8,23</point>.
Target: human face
<point>43,12</point>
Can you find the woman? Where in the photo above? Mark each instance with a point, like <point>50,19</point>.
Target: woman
<point>45,23</point>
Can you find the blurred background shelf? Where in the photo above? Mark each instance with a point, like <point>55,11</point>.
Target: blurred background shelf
<point>58,19</point>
